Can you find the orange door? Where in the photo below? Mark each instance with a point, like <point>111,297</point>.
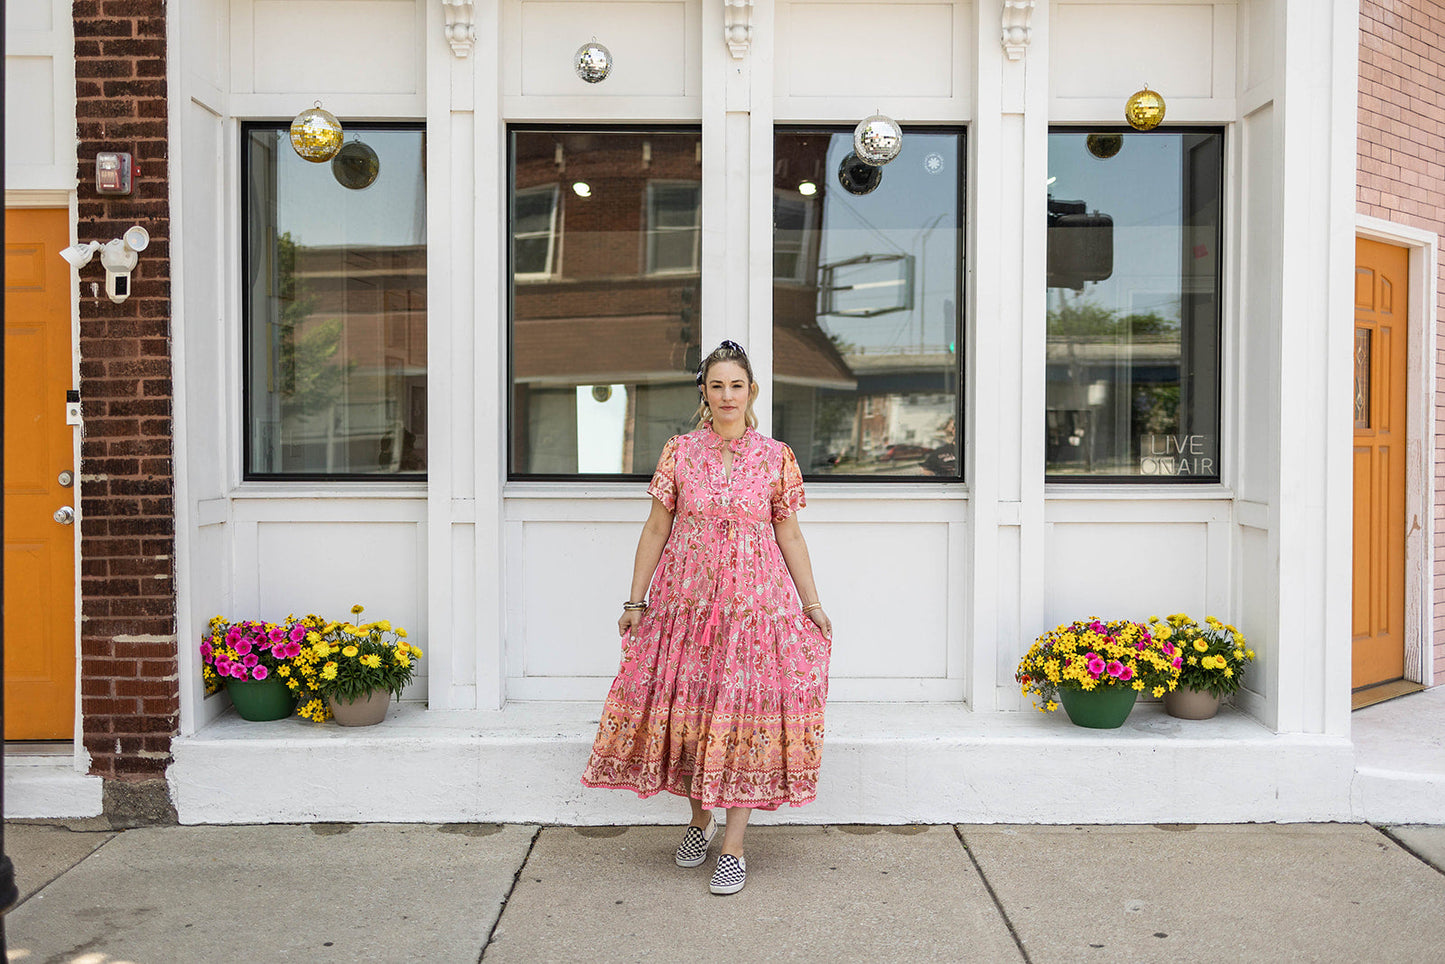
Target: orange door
<point>39,551</point>
<point>1381,295</point>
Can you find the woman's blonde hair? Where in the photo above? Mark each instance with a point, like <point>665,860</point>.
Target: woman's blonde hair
<point>733,352</point>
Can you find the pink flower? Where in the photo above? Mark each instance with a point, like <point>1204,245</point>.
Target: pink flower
<point>260,672</point>
<point>250,659</point>
<point>293,650</point>
<point>1178,662</point>
<point>298,633</point>
<point>238,671</point>
<point>233,635</point>
<point>1115,668</point>
<point>1168,648</point>
<point>1126,674</point>
<point>278,634</point>
<point>1096,666</point>
<point>205,650</point>
<point>223,666</point>
<point>242,646</point>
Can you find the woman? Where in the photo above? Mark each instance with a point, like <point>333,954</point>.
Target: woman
<point>724,671</point>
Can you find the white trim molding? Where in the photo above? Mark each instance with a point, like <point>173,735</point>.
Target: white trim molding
<point>1018,30</point>
<point>461,29</point>
<point>1420,440</point>
<point>38,198</point>
<point>738,26</point>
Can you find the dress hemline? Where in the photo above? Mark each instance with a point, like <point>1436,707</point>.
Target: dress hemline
<point>768,806</point>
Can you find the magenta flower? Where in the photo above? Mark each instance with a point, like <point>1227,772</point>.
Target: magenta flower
<point>259,672</point>
<point>1115,668</point>
<point>1178,662</point>
<point>1168,648</point>
<point>242,646</point>
<point>1096,666</point>
<point>205,650</point>
<point>1126,674</point>
<point>278,634</point>
<point>298,633</point>
<point>223,666</point>
<point>293,650</point>
<point>238,671</point>
<point>250,659</point>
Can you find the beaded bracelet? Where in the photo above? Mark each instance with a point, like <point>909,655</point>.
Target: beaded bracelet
<point>634,606</point>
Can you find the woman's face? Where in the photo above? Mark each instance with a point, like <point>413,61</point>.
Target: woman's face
<point>727,391</point>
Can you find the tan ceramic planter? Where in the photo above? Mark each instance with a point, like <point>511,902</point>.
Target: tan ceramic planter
<point>364,711</point>
<point>1191,704</point>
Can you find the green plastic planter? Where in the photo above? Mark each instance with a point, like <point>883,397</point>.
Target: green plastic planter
<point>259,700</point>
<point>1102,708</point>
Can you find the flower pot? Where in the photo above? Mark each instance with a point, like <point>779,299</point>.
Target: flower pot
<point>365,710</point>
<point>1191,704</point>
<point>1102,708</point>
<point>257,700</point>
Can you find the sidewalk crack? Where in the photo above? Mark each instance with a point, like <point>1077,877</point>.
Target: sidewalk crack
<point>1018,941</point>
<point>506,898</point>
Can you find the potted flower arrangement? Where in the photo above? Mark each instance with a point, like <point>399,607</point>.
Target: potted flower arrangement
<point>1212,663</point>
<point>1097,670</point>
<point>251,661</point>
<point>358,668</point>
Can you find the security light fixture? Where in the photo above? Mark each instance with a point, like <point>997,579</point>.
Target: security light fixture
<point>117,255</point>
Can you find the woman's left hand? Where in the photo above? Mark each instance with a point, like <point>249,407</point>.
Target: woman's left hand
<point>821,620</point>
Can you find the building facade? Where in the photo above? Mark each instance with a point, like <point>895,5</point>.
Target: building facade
<point>1040,366</point>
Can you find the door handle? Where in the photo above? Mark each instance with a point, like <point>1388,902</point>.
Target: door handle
<point>66,478</point>
<point>65,515</point>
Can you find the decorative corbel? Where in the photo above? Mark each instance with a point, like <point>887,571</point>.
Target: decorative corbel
<point>461,30</point>
<point>738,26</point>
<point>1016,30</point>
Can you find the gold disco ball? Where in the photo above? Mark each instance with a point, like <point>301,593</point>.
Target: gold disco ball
<point>1104,146</point>
<point>1144,110</point>
<point>316,134</point>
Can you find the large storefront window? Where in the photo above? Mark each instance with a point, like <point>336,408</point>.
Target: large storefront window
<point>1134,305</point>
<point>605,326</point>
<point>867,289</point>
<point>335,306</point>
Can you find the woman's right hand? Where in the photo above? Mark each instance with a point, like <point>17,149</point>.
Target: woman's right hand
<point>630,620</point>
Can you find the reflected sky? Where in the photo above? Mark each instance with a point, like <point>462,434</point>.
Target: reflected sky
<point>319,212</point>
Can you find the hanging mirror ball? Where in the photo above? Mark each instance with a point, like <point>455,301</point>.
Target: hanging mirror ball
<point>857,177</point>
<point>877,139</point>
<point>1104,146</point>
<point>593,62</point>
<point>1144,110</point>
<point>316,134</point>
<point>355,166</point>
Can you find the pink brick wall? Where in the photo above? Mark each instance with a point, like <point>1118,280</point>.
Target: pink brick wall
<point>1402,175</point>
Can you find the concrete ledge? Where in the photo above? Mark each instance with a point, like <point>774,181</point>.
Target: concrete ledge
<point>42,785</point>
<point>1400,759</point>
<point>884,763</point>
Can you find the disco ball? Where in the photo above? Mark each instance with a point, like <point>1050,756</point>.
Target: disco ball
<point>857,177</point>
<point>877,140</point>
<point>593,62</point>
<point>1144,110</point>
<point>1104,146</point>
<point>355,166</point>
<point>316,134</point>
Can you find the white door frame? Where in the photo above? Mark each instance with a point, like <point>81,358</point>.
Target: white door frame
<point>1420,439</point>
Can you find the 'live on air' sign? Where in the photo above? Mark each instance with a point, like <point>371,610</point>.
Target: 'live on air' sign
<point>1175,455</point>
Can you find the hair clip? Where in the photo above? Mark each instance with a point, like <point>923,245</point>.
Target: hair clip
<point>732,346</point>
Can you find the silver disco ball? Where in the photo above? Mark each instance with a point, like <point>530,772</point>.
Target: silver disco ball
<point>877,140</point>
<point>593,62</point>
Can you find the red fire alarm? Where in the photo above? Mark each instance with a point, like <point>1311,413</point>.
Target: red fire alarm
<point>113,173</point>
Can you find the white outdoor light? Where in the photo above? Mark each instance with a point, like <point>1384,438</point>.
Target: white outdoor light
<point>118,256</point>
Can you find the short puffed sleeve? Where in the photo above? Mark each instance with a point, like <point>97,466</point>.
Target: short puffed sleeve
<point>663,486</point>
<point>788,488</point>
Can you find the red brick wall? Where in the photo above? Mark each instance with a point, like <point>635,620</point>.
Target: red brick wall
<point>129,692</point>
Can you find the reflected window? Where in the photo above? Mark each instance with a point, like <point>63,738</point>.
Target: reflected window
<point>867,284</point>
<point>1133,324</point>
<point>604,329</point>
<point>335,306</point>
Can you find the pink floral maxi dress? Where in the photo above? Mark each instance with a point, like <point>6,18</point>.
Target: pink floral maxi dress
<point>724,682</point>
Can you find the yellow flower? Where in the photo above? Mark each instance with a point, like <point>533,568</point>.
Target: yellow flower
<point>349,651</point>
<point>384,625</point>
<point>356,631</point>
<point>292,684</point>
<point>1249,653</point>
<point>1051,705</point>
<point>416,651</point>
<point>1192,660</point>
<point>1201,645</point>
<point>1158,692</point>
<point>372,660</point>
<point>313,637</point>
<point>403,659</point>
<point>1228,671</point>
<point>328,671</point>
<point>283,671</point>
<point>320,647</point>
<point>356,610</point>
<point>401,632</point>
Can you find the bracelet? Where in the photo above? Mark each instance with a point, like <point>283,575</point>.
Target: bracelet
<point>634,606</point>
<point>808,609</point>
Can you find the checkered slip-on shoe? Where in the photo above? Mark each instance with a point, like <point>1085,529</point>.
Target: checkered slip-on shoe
<point>693,849</point>
<point>730,875</point>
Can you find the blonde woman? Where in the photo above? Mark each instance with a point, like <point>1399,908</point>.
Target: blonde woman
<point>724,673</point>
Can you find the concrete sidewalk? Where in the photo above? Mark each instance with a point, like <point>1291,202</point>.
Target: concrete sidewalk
<point>510,893</point>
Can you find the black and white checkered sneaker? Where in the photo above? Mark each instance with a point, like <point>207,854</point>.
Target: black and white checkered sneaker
<point>730,875</point>
<point>693,849</point>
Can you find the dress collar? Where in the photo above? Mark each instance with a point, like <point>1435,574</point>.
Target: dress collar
<point>736,444</point>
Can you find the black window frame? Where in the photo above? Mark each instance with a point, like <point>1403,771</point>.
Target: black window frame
<point>1222,130</point>
<point>512,475</point>
<point>961,319</point>
<point>282,127</point>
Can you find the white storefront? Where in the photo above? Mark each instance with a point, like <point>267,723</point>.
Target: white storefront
<point>512,585</point>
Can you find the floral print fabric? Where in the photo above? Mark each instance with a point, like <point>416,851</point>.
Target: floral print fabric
<point>725,680</point>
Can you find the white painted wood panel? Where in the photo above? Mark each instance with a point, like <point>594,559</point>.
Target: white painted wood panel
<point>29,15</point>
<point>30,111</point>
<point>1112,49</point>
<point>1258,328</point>
<point>648,41</point>
<point>39,99</point>
<point>309,48</point>
<point>1121,571</point>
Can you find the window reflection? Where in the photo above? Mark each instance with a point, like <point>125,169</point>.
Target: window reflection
<point>866,284</point>
<point>605,333</point>
<point>336,309</point>
<point>1133,305</point>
